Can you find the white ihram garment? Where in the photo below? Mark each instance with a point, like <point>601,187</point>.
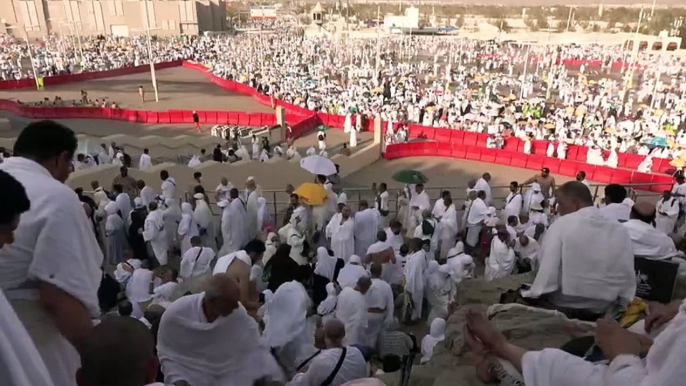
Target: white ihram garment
<point>53,244</point>
<point>342,237</point>
<point>414,281</point>
<point>285,323</point>
<point>233,226</point>
<point>20,363</point>
<point>664,364</point>
<point>665,222</point>
<point>586,259</point>
<point>226,352</point>
<point>366,226</point>
<point>154,233</point>
<point>501,260</point>
<point>351,310</point>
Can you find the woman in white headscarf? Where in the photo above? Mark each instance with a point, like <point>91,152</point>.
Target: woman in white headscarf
<point>187,227</point>
<point>172,218</point>
<point>271,244</point>
<point>325,271</point>
<point>351,272</point>
<point>328,306</point>
<point>203,217</point>
<point>285,324</point>
<point>115,234</point>
<point>439,290</point>
<point>296,239</point>
<point>262,214</point>
<point>436,334</point>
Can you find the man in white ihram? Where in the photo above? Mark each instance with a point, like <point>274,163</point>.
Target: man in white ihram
<point>366,224</point>
<point>208,339</point>
<point>20,363</point>
<point>335,366</point>
<point>51,273</point>
<point>352,311</point>
<point>586,260</point>
<point>153,232</point>
<point>233,223</point>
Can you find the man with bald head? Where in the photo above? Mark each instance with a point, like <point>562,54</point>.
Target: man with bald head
<point>586,260</point>
<point>646,240</point>
<point>338,364</point>
<point>209,339</point>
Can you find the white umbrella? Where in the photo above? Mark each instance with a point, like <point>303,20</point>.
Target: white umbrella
<point>318,165</point>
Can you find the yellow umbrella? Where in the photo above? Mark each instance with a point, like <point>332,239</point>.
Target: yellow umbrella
<point>549,125</point>
<point>610,130</point>
<point>658,112</point>
<point>311,194</point>
<point>643,106</point>
<point>569,109</point>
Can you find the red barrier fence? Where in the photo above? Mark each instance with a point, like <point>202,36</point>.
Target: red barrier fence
<point>84,76</point>
<point>602,174</point>
<point>140,116</point>
<point>574,153</point>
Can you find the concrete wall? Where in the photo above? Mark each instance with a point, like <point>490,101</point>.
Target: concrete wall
<point>122,17</point>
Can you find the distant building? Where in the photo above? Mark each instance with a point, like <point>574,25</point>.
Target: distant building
<point>409,20</point>
<point>263,12</point>
<point>117,17</point>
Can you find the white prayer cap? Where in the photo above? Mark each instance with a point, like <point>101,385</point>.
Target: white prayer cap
<point>138,202</point>
<point>491,210</point>
<point>354,259</point>
<point>222,203</point>
<point>536,187</point>
<point>199,196</point>
<point>250,178</point>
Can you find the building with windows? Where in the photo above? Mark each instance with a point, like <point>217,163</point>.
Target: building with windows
<point>118,17</point>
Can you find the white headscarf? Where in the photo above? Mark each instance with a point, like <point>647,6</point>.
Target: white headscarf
<point>326,264</point>
<point>329,304</point>
<point>261,212</point>
<point>436,334</point>
<point>203,214</point>
<point>352,272</point>
<point>436,276</point>
<point>113,221</point>
<point>138,203</point>
<point>271,245</point>
<point>284,319</point>
<point>187,225</point>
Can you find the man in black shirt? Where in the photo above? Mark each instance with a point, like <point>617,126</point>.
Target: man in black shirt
<point>196,121</point>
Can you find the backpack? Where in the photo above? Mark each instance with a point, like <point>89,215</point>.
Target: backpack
<point>427,228</point>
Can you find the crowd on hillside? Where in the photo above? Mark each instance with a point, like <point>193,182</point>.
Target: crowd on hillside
<point>138,286</point>
<point>506,89</point>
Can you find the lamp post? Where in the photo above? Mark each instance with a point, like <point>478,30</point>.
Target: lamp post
<point>153,77</point>
<point>28,46</point>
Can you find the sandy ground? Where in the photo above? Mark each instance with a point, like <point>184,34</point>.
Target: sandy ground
<point>179,88</point>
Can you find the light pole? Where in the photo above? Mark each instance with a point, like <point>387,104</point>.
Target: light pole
<point>153,78</point>
<point>28,46</point>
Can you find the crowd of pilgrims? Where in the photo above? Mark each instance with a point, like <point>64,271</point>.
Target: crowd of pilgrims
<point>506,89</point>
<point>132,285</point>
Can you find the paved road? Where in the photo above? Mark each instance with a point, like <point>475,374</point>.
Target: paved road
<point>179,88</point>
